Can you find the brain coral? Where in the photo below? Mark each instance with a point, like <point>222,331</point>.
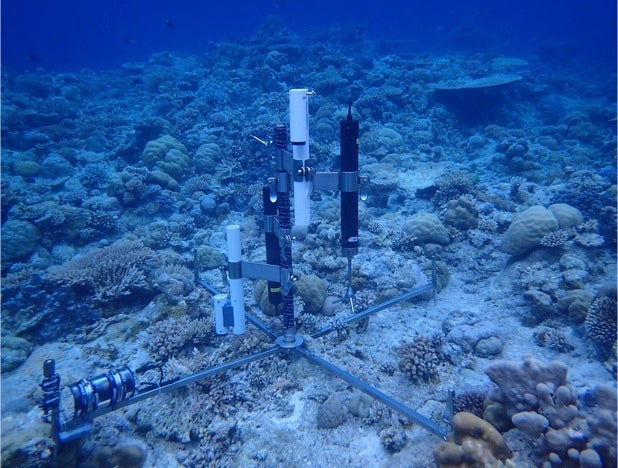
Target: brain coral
<point>527,230</point>
<point>426,228</point>
<point>168,155</point>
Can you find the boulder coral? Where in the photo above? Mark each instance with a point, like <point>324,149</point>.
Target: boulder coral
<point>568,216</point>
<point>426,228</point>
<point>167,155</point>
<point>310,289</point>
<point>462,214</point>
<point>19,239</point>
<point>529,227</point>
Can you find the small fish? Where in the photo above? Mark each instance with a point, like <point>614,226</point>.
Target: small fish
<point>32,58</point>
<point>279,3</point>
<point>170,25</point>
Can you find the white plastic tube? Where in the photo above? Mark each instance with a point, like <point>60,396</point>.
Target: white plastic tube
<point>218,302</point>
<point>237,295</point>
<point>302,208</point>
<point>299,121</point>
<point>299,137</point>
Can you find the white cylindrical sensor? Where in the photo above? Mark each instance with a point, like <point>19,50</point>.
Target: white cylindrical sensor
<point>302,209</point>
<point>299,118</point>
<point>232,235</point>
<point>218,302</point>
<point>300,152</point>
<point>237,296</point>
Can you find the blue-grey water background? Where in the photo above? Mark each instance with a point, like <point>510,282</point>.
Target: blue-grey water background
<point>65,35</point>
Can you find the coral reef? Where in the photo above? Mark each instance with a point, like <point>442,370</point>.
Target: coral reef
<point>15,351</point>
<point>171,338</point>
<point>542,405</point>
<point>110,272</point>
<point>470,401</point>
<point>175,281</point>
<point>310,289</point>
<point>527,230</point>
<point>553,339</point>
<point>19,239</point>
<point>331,413</point>
<point>393,438</point>
<point>462,214</point>
<point>426,228</point>
<point>167,155</point>
<point>470,333</point>
<point>600,321</point>
<point>473,442</point>
<point>453,185</point>
<point>421,358</point>
<point>158,152</point>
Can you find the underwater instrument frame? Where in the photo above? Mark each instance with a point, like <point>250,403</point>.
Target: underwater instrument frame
<point>119,388</point>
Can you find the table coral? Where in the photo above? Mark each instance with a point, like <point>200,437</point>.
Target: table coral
<point>111,272</point>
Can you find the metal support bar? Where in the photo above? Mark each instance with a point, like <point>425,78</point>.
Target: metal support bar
<point>348,182</point>
<point>375,393</point>
<point>336,181</point>
<point>265,271</point>
<point>450,407</point>
<point>372,310</point>
<point>262,326</point>
<point>325,181</point>
<point>208,287</point>
<point>178,383</point>
<point>287,162</point>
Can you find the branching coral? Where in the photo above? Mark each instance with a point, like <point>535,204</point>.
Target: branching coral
<point>421,358</point>
<point>452,185</point>
<point>111,272</point>
<point>171,337</point>
<point>601,321</point>
<point>555,238</point>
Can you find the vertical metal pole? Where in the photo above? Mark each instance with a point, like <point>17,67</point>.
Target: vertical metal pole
<point>283,187</point>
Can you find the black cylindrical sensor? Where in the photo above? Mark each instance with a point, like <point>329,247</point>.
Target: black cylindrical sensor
<point>348,182</point>
<point>280,138</point>
<point>273,252</point>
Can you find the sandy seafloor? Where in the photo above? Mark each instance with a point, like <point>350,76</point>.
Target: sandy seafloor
<point>546,138</point>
